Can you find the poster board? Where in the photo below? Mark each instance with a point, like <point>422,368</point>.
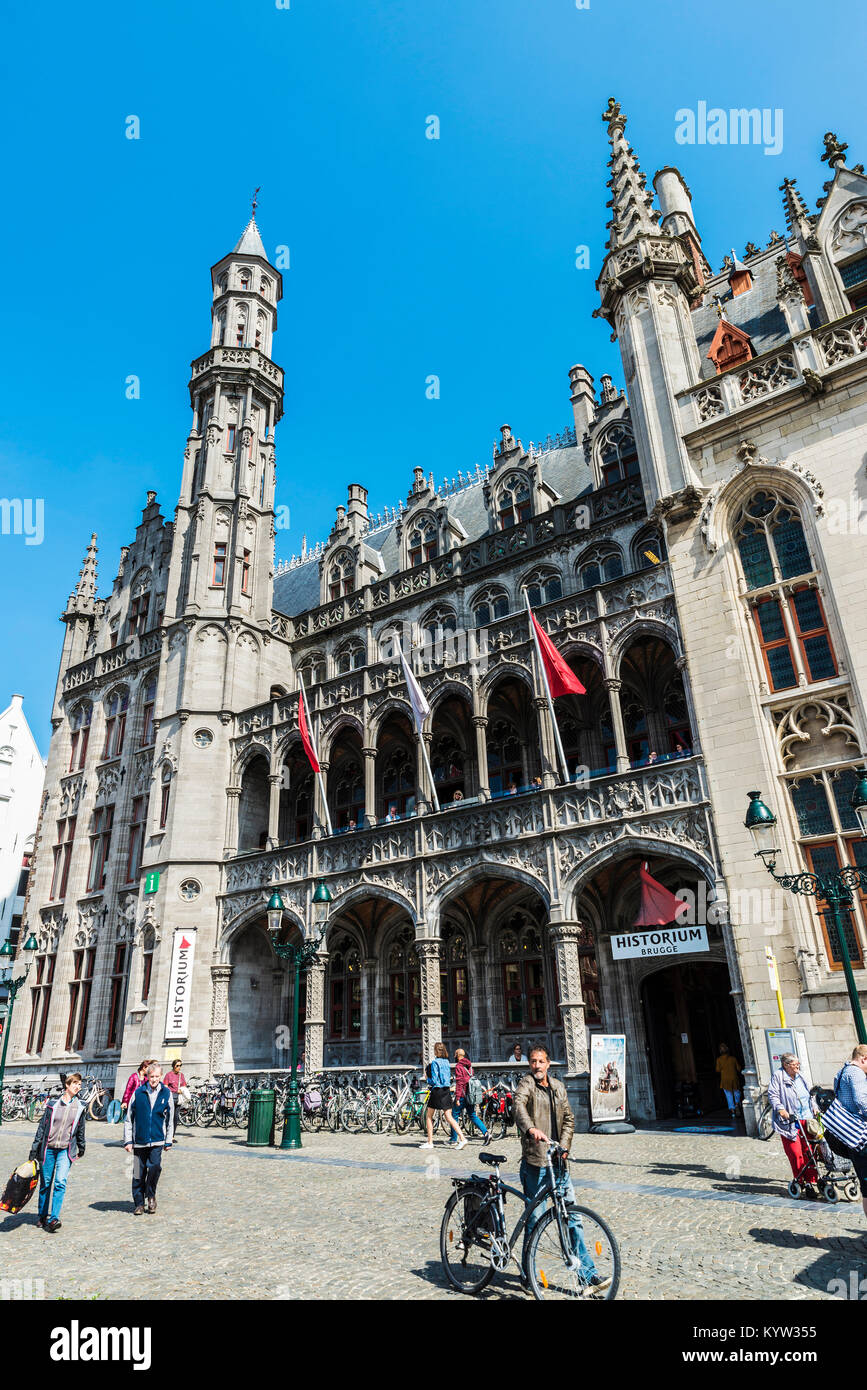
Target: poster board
<point>607,1077</point>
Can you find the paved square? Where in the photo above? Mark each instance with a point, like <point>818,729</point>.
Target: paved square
<point>357,1216</point>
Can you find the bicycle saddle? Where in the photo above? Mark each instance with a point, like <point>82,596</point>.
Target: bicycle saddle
<point>492,1158</point>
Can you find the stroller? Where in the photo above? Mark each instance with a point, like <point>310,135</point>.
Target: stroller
<point>836,1177</point>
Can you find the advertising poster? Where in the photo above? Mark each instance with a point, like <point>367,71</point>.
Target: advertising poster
<point>607,1077</point>
<point>178,1008</point>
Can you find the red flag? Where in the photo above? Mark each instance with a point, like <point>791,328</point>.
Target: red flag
<point>658,906</point>
<point>306,736</point>
<point>561,678</point>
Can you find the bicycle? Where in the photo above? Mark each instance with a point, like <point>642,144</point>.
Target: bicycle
<point>474,1245</point>
<point>95,1097</point>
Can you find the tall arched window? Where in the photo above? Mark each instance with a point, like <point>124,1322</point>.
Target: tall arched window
<point>115,723</point>
<point>790,620</point>
<point>648,549</point>
<point>505,765</point>
<point>454,981</point>
<point>244,278</point>
<point>148,697</point>
<point>543,587</point>
<point>398,783</point>
<point>344,976</point>
<point>447,766</point>
<point>341,575</point>
<point>523,974</point>
<point>404,986</point>
<point>241,325</point>
<point>80,723</point>
<point>513,501</point>
<point>423,541</point>
<point>598,566</point>
<point>351,657</point>
<point>489,605</point>
<point>618,458</point>
<point>312,669</point>
<point>349,795</point>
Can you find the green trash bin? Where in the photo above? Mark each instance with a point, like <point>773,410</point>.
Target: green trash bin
<point>260,1122</point>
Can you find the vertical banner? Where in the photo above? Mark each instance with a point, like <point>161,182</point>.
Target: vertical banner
<point>607,1076</point>
<point>180,985</point>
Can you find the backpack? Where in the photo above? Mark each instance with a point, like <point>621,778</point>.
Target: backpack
<point>20,1187</point>
<point>475,1091</point>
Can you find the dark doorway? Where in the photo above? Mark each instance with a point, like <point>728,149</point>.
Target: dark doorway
<point>689,1001</point>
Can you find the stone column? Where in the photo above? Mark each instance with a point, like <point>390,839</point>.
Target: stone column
<point>566,937</point>
<point>369,755</point>
<point>480,723</point>
<point>428,952</point>
<point>424,791</point>
<point>314,1023</point>
<point>368,1012</point>
<point>550,775</point>
<point>234,797</point>
<point>695,737</point>
<point>480,1022</point>
<point>614,687</point>
<point>220,976</point>
<point>275,780</point>
<point>320,825</point>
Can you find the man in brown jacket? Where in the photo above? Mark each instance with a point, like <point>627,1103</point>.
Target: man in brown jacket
<point>544,1115</point>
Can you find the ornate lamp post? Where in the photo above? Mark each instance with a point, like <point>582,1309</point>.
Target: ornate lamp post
<point>7,951</point>
<point>299,956</point>
<point>836,889</point>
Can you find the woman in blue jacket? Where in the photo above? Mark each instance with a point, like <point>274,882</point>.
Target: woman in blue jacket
<point>439,1074</point>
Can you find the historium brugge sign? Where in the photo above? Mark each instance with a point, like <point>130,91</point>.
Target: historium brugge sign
<point>178,1009</point>
<point>658,941</point>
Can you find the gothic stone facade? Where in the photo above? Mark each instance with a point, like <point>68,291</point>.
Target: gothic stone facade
<point>682,544</point>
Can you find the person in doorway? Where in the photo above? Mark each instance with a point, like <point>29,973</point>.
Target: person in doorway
<point>148,1130</point>
<point>439,1074</point>
<point>729,1070</point>
<point>58,1142</point>
<point>177,1084</point>
<point>513,790</point>
<point>516,1057</point>
<point>793,1105</point>
<point>392,815</point>
<point>137,1079</point>
<point>850,1089</point>
<point>465,1086</point>
<point>458,796</point>
<point>543,1115</point>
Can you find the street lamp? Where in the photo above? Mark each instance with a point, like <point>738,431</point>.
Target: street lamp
<point>299,956</point>
<point>835,889</point>
<point>7,950</point>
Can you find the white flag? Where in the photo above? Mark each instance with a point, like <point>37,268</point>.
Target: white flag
<point>420,706</point>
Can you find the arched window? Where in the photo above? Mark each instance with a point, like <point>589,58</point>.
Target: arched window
<point>543,587</point>
<point>598,566</point>
<point>312,669</point>
<point>241,326</point>
<point>404,986</point>
<point>438,640</point>
<point>398,783</point>
<point>423,541</point>
<point>618,457</point>
<point>148,697</point>
<point>80,724</point>
<point>447,766</point>
<point>139,608</point>
<point>115,723</point>
<point>349,795</point>
<point>223,283</point>
<point>489,605</point>
<point>454,981</point>
<point>648,549</point>
<point>505,765</point>
<point>265,287</point>
<point>244,278</point>
<point>513,501</point>
<point>677,717</point>
<point>523,974</point>
<point>773,548</point>
<point>635,728</point>
<point>344,973</point>
<point>165,793</point>
<point>341,575</point>
<point>351,657</point>
<point>221,328</point>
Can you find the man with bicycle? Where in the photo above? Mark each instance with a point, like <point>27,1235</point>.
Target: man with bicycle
<point>543,1115</point>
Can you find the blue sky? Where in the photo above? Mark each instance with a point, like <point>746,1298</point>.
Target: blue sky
<point>409,257</point>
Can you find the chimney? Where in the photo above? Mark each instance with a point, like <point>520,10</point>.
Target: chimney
<point>583,400</point>
<point>675,203</point>
<point>356,501</point>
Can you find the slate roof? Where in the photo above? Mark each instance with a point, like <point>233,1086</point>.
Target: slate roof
<point>250,243</point>
<point>564,469</point>
<point>757,311</point>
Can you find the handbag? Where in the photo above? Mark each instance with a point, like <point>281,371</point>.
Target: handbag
<point>475,1091</point>
<point>850,1129</point>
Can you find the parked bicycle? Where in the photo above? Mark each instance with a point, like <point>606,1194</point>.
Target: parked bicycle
<point>474,1244</point>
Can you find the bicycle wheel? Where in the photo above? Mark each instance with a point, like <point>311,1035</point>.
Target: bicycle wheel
<point>402,1118</point>
<point>35,1109</point>
<point>332,1115</point>
<point>98,1106</point>
<point>549,1274</point>
<point>372,1118</point>
<point>203,1111</point>
<point>352,1117</point>
<point>766,1123</point>
<point>241,1111</point>
<point>466,1256</point>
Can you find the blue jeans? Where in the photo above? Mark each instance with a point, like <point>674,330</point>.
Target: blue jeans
<point>531,1180</point>
<point>56,1165</point>
<point>458,1107</point>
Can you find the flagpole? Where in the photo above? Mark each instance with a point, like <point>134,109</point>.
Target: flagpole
<point>424,753</point>
<point>563,765</point>
<point>309,732</point>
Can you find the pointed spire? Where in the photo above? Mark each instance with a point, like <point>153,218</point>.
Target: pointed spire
<point>83,598</point>
<point>633,212</point>
<point>250,243</point>
<point>798,219</point>
<point>787,285</point>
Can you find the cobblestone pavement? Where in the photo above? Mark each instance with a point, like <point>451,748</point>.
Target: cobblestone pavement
<point>357,1216</point>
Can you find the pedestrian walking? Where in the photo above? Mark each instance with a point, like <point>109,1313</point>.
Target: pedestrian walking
<point>543,1115</point>
<point>137,1079</point>
<point>177,1084</point>
<point>845,1119</point>
<point>439,1073</point>
<point>729,1070</point>
<point>58,1142</point>
<point>793,1106</point>
<point>148,1129</point>
<point>468,1093</point>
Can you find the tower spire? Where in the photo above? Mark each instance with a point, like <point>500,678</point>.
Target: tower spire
<point>631,204</point>
<point>798,220</point>
<point>83,598</point>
